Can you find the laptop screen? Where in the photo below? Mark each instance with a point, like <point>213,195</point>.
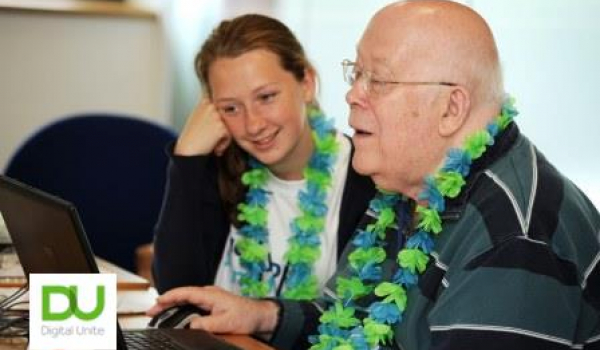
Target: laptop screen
<point>45,230</point>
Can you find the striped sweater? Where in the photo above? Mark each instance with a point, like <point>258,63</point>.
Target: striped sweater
<point>515,267</point>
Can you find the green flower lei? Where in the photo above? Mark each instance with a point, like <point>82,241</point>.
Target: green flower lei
<point>305,244</point>
<point>340,329</point>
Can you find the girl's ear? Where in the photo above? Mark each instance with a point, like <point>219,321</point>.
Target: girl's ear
<point>309,85</point>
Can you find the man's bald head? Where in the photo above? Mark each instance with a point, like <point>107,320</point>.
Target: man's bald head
<point>442,41</point>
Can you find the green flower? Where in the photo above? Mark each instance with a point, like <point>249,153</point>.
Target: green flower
<point>255,178</point>
<point>327,144</point>
<point>252,214</point>
<point>449,183</point>
<point>306,291</point>
<point>353,287</point>
<point>362,256</point>
<point>298,253</point>
<point>393,293</point>
<point>376,332</point>
<point>320,178</point>
<point>250,250</point>
<point>308,223</point>
<point>476,144</point>
<point>429,220</point>
<point>252,288</point>
<point>340,316</point>
<point>413,260</point>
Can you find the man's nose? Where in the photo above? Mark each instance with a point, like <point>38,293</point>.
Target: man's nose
<point>356,96</point>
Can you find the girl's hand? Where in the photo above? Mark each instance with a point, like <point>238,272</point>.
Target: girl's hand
<point>204,132</point>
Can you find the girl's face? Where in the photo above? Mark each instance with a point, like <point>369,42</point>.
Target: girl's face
<point>264,108</point>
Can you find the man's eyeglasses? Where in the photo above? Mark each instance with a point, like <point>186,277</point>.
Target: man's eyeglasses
<point>374,86</point>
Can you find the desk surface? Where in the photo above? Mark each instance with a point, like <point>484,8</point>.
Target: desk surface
<point>131,305</point>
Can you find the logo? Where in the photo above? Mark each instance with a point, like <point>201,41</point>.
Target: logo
<point>72,311</point>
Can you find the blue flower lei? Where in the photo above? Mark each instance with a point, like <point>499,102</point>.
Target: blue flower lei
<point>340,329</point>
<point>305,244</point>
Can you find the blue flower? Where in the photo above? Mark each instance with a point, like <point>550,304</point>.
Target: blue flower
<point>370,272</point>
<point>457,160</point>
<point>321,161</point>
<point>297,274</point>
<point>365,239</point>
<point>432,195</point>
<point>253,270</point>
<point>306,240</point>
<point>493,129</point>
<point>257,196</point>
<point>384,312</point>
<point>405,277</point>
<point>258,233</point>
<point>421,240</point>
<point>312,200</point>
<point>297,231</point>
<point>253,163</point>
<point>508,107</point>
<point>357,338</point>
<point>321,125</point>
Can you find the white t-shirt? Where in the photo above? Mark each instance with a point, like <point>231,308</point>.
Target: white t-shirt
<point>282,208</point>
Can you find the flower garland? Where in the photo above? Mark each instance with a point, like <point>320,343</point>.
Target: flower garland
<point>304,245</point>
<point>340,329</point>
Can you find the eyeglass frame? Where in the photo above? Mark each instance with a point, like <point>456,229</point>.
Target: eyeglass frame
<point>349,72</point>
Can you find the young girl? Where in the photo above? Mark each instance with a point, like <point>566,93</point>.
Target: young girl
<point>261,197</point>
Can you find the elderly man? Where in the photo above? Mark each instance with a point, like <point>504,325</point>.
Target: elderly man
<point>486,247</point>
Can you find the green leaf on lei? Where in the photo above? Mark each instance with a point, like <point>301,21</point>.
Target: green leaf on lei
<point>298,253</point>
<point>449,183</point>
<point>327,144</point>
<point>252,288</point>
<point>352,287</point>
<point>340,316</point>
<point>385,219</point>
<point>393,293</point>
<point>255,178</point>
<point>376,332</point>
<point>307,290</point>
<point>252,214</point>
<point>476,144</point>
<point>361,256</point>
<point>344,347</point>
<point>250,250</point>
<point>413,260</point>
<point>320,178</point>
<point>309,223</point>
<point>429,220</point>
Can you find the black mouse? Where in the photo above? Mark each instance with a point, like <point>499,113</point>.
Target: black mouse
<point>178,316</point>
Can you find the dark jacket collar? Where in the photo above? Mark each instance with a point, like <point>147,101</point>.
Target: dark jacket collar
<point>503,142</point>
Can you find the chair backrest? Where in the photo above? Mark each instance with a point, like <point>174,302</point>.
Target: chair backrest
<point>113,168</point>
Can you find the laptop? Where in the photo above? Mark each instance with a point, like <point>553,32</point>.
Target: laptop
<point>48,237</point>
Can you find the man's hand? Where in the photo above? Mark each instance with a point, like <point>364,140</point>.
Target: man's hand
<point>229,313</point>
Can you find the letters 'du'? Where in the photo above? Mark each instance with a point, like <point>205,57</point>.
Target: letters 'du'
<point>73,310</point>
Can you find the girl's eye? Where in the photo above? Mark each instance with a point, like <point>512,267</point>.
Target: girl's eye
<point>267,97</point>
<point>229,109</point>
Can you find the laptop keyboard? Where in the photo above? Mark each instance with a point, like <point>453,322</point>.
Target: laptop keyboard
<point>148,339</point>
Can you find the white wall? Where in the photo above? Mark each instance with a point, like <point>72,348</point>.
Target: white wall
<point>54,65</point>
<point>550,52</point>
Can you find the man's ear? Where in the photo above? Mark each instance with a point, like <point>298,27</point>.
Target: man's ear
<point>457,111</point>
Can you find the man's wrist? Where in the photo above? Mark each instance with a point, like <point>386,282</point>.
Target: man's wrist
<point>269,316</point>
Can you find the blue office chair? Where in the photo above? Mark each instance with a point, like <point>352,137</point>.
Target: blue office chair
<point>111,167</point>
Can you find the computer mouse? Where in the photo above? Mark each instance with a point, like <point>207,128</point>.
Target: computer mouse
<point>178,316</point>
